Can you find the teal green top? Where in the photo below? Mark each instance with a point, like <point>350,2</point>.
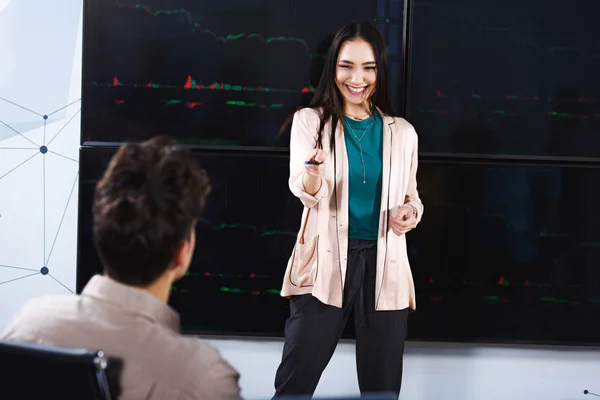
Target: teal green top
<point>364,191</point>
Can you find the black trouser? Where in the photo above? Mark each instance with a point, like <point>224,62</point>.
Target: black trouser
<point>313,330</point>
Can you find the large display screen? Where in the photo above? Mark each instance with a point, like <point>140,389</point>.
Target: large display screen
<point>504,253</point>
<point>507,253</point>
<point>214,73</point>
<point>505,77</point>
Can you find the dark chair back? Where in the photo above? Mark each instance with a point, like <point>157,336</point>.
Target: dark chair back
<point>33,371</point>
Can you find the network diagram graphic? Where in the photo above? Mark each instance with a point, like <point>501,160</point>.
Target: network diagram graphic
<point>39,149</point>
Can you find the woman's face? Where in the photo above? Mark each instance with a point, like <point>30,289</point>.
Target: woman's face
<point>356,72</point>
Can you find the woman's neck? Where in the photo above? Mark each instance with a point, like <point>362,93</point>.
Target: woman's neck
<point>359,111</point>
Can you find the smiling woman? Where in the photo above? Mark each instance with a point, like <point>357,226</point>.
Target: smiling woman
<point>353,164</point>
<point>356,76</point>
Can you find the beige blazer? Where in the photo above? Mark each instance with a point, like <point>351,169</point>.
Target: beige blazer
<point>319,259</point>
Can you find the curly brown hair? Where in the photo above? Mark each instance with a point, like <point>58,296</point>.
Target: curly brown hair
<point>144,207</point>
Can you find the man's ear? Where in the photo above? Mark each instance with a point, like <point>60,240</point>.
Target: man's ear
<point>183,256</point>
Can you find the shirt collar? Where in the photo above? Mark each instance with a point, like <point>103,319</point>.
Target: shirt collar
<point>131,300</point>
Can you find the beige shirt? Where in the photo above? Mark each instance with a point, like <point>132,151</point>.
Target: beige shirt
<point>135,326</point>
<point>318,262</point>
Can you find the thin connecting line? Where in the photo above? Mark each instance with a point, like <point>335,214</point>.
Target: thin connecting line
<point>60,283</point>
<point>19,133</point>
<point>61,220</point>
<point>16,279</point>
<point>62,108</point>
<point>60,155</point>
<point>44,207</point>
<point>19,165</point>
<point>21,107</point>
<point>46,261</point>
<point>21,268</point>
<point>61,129</point>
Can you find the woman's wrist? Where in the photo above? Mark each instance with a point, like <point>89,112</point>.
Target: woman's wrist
<point>311,183</point>
<point>414,209</point>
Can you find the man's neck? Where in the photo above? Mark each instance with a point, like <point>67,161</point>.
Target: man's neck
<point>160,289</point>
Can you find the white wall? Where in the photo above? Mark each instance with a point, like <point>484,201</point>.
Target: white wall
<point>40,71</point>
<point>40,75</point>
<point>438,371</point>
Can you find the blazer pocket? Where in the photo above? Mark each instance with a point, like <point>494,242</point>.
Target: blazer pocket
<point>305,263</point>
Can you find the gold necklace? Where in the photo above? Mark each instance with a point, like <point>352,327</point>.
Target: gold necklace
<point>362,159</point>
<point>358,118</point>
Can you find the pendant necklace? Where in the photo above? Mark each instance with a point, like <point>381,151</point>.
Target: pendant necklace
<point>362,159</point>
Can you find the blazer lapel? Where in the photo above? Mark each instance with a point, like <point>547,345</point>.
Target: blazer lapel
<point>386,160</point>
<point>341,168</point>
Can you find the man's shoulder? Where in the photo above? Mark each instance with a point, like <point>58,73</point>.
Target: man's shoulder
<point>38,314</point>
<point>54,304</point>
<point>199,353</point>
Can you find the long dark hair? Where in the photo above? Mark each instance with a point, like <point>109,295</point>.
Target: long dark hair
<point>327,96</point>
